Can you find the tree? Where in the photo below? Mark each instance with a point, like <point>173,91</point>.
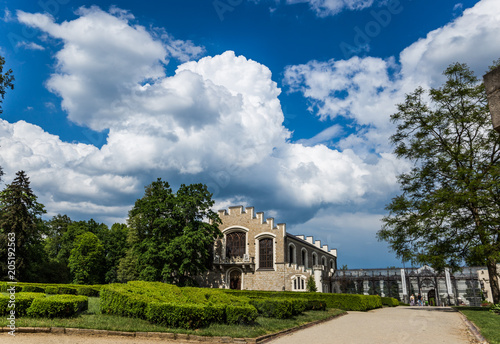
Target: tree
<point>171,234</point>
<point>20,214</point>
<point>87,261</point>
<point>115,248</point>
<point>311,284</point>
<point>449,209</point>
<point>6,81</point>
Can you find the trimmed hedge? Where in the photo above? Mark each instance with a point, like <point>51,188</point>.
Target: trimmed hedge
<point>390,301</point>
<point>188,315</point>
<point>58,306</point>
<point>173,306</point>
<point>22,303</point>
<point>269,308</point>
<point>243,314</point>
<point>50,288</point>
<point>120,301</point>
<point>347,302</point>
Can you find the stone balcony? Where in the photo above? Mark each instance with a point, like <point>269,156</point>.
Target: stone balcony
<point>246,263</point>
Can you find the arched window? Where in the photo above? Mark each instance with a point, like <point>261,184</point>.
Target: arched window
<point>323,261</point>
<point>298,283</point>
<point>291,254</point>
<point>235,244</point>
<point>266,253</point>
<point>304,257</point>
<point>315,259</point>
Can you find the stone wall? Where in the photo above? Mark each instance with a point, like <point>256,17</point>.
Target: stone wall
<point>492,85</point>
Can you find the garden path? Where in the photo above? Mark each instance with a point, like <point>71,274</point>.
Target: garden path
<point>387,325</point>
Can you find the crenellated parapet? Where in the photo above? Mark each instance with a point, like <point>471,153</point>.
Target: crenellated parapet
<point>249,213</point>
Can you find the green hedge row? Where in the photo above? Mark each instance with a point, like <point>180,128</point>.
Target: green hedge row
<point>348,302</point>
<point>38,305</point>
<point>173,306</point>
<point>390,301</point>
<point>58,306</point>
<point>47,288</point>
<point>22,303</point>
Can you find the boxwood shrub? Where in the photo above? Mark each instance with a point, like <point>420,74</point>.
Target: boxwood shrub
<point>187,315</point>
<point>273,308</point>
<point>390,301</point>
<point>58,306</point>
<point>22,303</point>
<point>243,314</point>
<point>51,290</point>
<point>117,300</point>
<point>348,302</point>
<point>87,291</point>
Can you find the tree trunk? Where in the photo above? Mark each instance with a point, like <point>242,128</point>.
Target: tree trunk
<point>493,275</point>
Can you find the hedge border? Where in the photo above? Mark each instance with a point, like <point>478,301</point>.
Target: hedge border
<point>167,335</point>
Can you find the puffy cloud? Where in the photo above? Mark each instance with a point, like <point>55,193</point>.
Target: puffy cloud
<point>367,89</point>
<point>104,58</point>
<point>471,38</point>
<point>218,120</point>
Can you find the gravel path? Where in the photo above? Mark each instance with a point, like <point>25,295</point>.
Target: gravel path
<point>387,325</point>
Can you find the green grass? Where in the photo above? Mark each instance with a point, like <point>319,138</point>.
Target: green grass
<point>487,322</point>
<point>94,320</point>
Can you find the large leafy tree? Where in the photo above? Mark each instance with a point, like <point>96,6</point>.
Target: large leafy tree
<point>115,248</point>
<point>171,234</point>
<point>449,209</point>
<point>6,82</point>
<point>87,259</point>
<point>20,213</point>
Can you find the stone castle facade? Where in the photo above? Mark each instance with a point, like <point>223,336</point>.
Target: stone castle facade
<point>256,254</point>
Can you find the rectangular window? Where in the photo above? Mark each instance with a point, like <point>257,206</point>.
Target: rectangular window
<point>266,253</point>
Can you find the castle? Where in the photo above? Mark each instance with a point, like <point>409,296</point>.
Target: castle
<point>256,254</point>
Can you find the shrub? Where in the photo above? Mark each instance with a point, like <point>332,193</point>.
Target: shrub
<point>32,289</point>
<point>66,290</point>
<point>188,315</point>
<point>87,291</point>
<point>347,302</point>
<point>51,290</point>
<point>22,303</point>
<point>495,308</point>
<point>390,301</point>
<point>311,284</point>
<point>269,308</point>
<point>115,299</point>
<point>244,314</point>
<point>4,287</point>
<point>60,306</point>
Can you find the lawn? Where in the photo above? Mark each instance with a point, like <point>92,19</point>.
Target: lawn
<point>487,322</point>
<point>94,320</point>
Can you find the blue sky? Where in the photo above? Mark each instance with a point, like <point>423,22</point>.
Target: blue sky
<point>280,105</point>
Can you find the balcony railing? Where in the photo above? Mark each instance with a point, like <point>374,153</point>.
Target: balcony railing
<point>234,260</point>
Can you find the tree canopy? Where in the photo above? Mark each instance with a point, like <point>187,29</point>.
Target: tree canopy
<point>171,234</point>
<point>87,261</point>
<point>449,209</point>
<point>20,214</point>
<point>6,82</point>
